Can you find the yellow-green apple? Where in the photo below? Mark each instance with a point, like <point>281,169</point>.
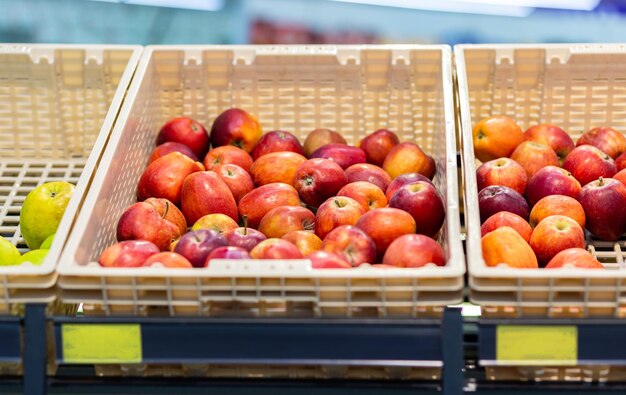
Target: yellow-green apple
<point>604,202</point>
<point>496,137</point>
<point>370,173</point>
<point>414,251</point>
<point>551,180</point>
<point>276,167</point>
<point>306,241</point>
<point>408,157</point>
<point>244,237</point>
<point>281,220</point>
<point>620,162</point>
<point>384,225</point>
<point>327,260</point>
<point>344,155</point>
<point>505,218</point>
<point>337,211</point>
<point>423,202</point>
<point>574,258</point>
<point>318,179</point>
<point>502,171</point>
<point>9,254</point>
<point>505,246</point>
<point>227,252</point>
<point>205,193</point>
<point>185,131</point>
<point>365,193</point>
<point>606,139</point>
<point>236,127</point>
<point>218,222</point>
<point>552,136</point>
<point>42,211</point>
<point>129,253</point>
<point>169,147</point>
<point>554,234</point>
<point>533,156</point>
<point>236,179</point>
<point>164,177</point>
<point>377,145</point>
<point>36,257</point>
<point>276,249</point>
<point>47,243</point>
<point>227,155</point>
<point>321,137</point>
<point>621,176</point>
<point>352,243</point>
<point>276,141</point>
<point>587,163</point>
<point>198,244</point>
<point>155,220</point>
<point>261,200</point>
<point>168,259</point>
<point>402,180</point>
<point>496,198</point>
<point>557,205</point>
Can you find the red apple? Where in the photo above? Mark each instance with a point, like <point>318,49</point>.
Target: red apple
<point>227,155</point>
<point>236,127</point>
<point>552,136</point>
<point>275,249</point>
<point>606,139</point>
<point>555,234</point>
<point>533,156</point>
<point>217,222</point>
<point>306,241</point>
<point>185,131</point>
<point>261,200</point>
<point>369,173</point>
<point>621,176</point>
<point>496,198</point>
<point>327,260</point>
<point>276,167</point>
<point>587,163</point>
<point>164,177</point>
<point>168,259</point>
<point>344,155</point>
<point>227,252</point>
<point>384,225</point>
<point>169,147</point>
<point>402,180</point>
<point>236,179</point>
<point>277,141</point>
<point>205,193</point>
<point>365,193</point>
<point>198,244</point>
<point>423,202</point>
<point>505,218</point>
<point>604,201</point>
<point>244,237</point>
<point>574,258</point>
<point>129,253</point>
<point>557,205</point>
<point>281,220</point>
<point>337,211</point>
<point>502,171</point>
<point>377,145</point>
<point>318,179</point>
<point>620,162</point>
<point>409,158</point>
<point>155,220</point>
<point>320,137</point>
<point>414,251</point>
<point>551,180</point>
<point>352,243</point>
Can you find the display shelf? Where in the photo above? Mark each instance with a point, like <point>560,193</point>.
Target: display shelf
<point>10,339</point>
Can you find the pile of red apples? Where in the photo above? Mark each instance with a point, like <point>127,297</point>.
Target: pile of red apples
<point>236,193</point>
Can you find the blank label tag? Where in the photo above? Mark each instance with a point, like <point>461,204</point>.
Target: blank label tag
<point>101,343</point>
<point>537,345</point>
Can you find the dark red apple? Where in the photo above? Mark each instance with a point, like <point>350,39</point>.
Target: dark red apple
<point>277,141</point>
<point>423,202</point>
<point>495,198</point>
<point>236,127</point>
<point>244,237</point>
<point>198,244</point>
<point>368,173</point>
<point>604,202</point>
<point>188,132</point>
<point>319,179</point>
<point>587,163</point>
<point>402,180</point>
<point>344,155</point>
<point>552,180</point>
<point>168,148</point>
<point>377,145</point>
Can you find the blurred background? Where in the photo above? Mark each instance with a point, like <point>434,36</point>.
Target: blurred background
<point>311,21</point>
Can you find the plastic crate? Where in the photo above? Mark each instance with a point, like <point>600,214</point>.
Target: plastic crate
<point>575,87</point>
<point>352,89</point>
<point>58,104</point>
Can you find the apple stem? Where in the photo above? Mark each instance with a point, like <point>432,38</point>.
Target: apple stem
<point>245,225</point>
<point>196,236</point>
<point>167,209</point>
<point>601,181</point>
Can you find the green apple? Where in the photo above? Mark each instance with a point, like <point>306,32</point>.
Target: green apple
<point>36,257</point>
<point>9,255</point>
<point>42,211</point>
<point>47,243</point>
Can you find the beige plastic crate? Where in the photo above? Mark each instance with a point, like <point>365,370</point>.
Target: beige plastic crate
<point>352,89</point>
<point>58,104</point>
<point>575,87</point>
